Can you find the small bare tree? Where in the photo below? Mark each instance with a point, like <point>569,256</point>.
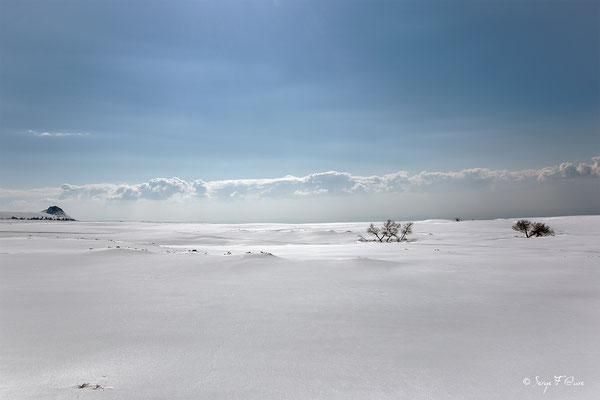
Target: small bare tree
<point>540,229</point>
<point>523,226</point>
<point>530,229</point>
<point>406,230</point>
<point>390,231</point>
<point>372,230</point>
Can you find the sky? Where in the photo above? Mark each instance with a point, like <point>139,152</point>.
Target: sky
<point>242,111</point>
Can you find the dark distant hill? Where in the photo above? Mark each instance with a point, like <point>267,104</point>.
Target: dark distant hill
<point>52,213</point>
<point>55,210</point>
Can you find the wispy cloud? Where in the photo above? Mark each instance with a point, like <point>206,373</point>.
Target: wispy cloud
<point>56,134</point>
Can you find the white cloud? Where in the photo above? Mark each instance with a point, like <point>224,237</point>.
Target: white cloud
<point>56,134</point>
<point>329,196</point>
<point>563,189</point>
<point>569,170</point>
<point>325,183</point>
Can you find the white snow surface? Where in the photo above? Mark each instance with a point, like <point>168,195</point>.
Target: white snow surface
<point>469,310</point>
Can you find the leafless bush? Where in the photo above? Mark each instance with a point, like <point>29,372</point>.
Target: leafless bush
<point>372,230</point>
<point>406,230</point>
<point>530,229</point>
<point>390,231</point>
<point>86,385</point>
<point>541,229</point>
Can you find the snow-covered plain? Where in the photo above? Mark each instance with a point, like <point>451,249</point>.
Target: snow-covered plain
<point>469,310</point>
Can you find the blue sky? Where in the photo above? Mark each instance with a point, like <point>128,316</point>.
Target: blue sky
<point>127,91</point>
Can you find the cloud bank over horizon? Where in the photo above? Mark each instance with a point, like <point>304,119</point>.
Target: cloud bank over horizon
<point>219,200</point>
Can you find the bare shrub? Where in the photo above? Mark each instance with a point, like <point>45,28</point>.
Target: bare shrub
<point>540,229</point>
<point>530,229</point>
<point>86,385</point>
<point>406,230</point>
<point>372,230</point>
<point>390,231</point>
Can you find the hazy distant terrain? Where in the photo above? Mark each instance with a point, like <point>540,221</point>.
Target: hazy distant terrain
<point>469,310</point>
<point>51,213</point>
